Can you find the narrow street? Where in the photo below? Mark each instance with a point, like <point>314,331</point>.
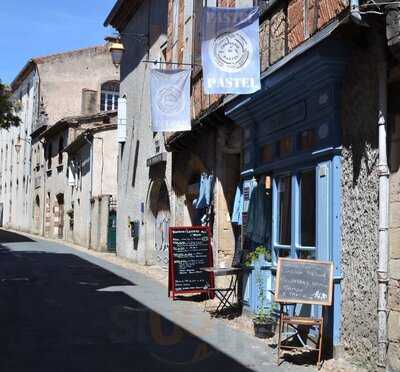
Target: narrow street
<point>65,310</point>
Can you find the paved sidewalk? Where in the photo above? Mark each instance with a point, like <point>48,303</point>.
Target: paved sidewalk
<point>177,334</point>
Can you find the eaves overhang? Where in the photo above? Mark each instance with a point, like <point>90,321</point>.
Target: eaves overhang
<point>88,133</point>
<point>121,13</point>
<point>37,132</point>
<point>26,70</point>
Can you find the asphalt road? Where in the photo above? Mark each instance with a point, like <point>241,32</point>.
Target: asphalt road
<point>62,310</point>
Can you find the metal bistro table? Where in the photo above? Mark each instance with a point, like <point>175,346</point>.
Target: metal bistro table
<point>224,295</point>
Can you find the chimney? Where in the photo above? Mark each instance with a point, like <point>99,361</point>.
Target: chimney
<point>89,102</point>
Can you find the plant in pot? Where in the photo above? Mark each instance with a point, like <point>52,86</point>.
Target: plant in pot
<point>264,322</point>
<point>260,251</point>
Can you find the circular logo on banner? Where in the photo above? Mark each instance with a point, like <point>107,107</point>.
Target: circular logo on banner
<point>231,51</point>
<point>169,100</point>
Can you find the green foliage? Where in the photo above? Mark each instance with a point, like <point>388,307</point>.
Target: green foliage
<point>263,315</point>
<point>7,116</point>
<point>258,252</point>
<point>261,312</point>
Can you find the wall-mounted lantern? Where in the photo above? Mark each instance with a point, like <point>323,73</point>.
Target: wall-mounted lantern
<point>18,144</point>
<point>116,49</point>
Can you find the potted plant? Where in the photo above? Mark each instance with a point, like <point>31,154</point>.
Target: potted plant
<point>264,322</point>
<point>256,254</point>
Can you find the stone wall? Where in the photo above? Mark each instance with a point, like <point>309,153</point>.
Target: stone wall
<point>63,77</point>
<point>15,181</point>
<point>360,208</point>
<point>394,253</point>
<point>135,179</point>
<point>99,233</point>
<point>211,152</point>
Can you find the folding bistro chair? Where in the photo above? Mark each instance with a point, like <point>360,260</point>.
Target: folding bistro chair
<point>224,295</point>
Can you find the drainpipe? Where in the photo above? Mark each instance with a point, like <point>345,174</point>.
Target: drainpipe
<point>383,170</point>
<point>91,188</point>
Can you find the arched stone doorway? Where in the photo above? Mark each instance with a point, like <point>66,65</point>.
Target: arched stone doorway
<point>158,220</point>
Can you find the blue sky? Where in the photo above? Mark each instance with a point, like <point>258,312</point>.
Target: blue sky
<point>31,28</point>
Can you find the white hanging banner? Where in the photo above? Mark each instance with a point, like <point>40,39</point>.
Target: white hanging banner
<point>230,50</point>
<point>170,100</point>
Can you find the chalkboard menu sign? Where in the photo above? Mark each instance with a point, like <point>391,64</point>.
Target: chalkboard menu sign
<point>304,282</point>
<point>189,252</point>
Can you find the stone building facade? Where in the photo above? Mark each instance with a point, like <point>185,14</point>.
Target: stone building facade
<point>91,187</point>
<point>80,82</point>
<point>65,76</point>
<point>15,154</point>
<point>315,121</point>
<point>289,35</point>
<point>144,167</point>
<point>360,204</point>
<point>80,166</point>
<point>47,89</point>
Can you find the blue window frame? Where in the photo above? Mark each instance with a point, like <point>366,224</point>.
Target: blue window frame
<point>294,206</point>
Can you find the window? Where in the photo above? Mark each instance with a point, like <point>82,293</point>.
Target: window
<point>284,209</point>
<point>109,96</point>
<point>307,139</point>
<point>285,146</point>
<point>307,208</point>
<point>294,211</point>
<point>267,153</point>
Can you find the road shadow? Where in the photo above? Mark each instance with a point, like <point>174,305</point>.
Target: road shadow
<point>56,314</point>
<point>11,237</point>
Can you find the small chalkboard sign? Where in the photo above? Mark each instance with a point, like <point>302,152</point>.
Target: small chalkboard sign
<point>304,282</point>
<point>189,252</point>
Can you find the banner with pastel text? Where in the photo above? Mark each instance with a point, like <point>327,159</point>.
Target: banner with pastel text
<point>230,50</point>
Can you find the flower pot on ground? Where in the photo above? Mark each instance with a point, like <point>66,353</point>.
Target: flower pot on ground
<point>265,321</point>
<point>264,327</point>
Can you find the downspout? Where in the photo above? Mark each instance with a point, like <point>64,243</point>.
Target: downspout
<point>90,190</point>
<point>383,170</point>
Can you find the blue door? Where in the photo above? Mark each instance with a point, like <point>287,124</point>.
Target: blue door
<point>306,223</point>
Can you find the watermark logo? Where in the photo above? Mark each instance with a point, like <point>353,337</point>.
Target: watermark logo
<point>231,51</point>
<point>175,346</point>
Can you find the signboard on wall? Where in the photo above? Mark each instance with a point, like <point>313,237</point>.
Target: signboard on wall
<point>189,252</point>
